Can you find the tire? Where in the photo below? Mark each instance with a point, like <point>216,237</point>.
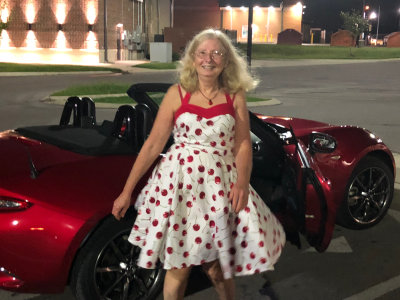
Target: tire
<point>368,196</point>
<point>105,268</point>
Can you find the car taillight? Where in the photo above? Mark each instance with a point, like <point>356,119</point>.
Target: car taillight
<point>9,280</point>
<point>12,204</point>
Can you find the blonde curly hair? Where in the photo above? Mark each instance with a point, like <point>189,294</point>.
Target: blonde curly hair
<point>235,75</point>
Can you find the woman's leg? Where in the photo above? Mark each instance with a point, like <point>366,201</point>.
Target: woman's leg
<point>175,282</point>
<point>224,287</point>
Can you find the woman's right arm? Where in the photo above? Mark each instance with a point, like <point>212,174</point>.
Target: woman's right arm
<point>151,149</point>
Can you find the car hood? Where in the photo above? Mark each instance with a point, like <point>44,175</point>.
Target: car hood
<point>299,125</point>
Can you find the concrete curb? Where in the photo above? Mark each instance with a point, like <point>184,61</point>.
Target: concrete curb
<point>129,66</point>
<point>273,101</point>
<point>274,63</point>
<point>17,74</point>
<point>60,100</point>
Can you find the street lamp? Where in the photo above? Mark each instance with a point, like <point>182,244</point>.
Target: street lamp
<point>377,26</point>
<point>250,32</point>
<point>398,23</point>
<point>365,9</point>
<point>372,16</point>
<point>105,32</point>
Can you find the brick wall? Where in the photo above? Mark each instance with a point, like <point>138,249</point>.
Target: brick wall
<point>45,17</point>
<point>290,37</point>
<point>191,17</point>
<point>196,15</point>
<point>291,18</point>
<point>393,40</point>
<point>343,38</point>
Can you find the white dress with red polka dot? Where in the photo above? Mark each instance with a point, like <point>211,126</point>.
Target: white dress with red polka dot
<point>184,215</point>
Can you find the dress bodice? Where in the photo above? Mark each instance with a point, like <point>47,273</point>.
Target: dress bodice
<point>212,127</point>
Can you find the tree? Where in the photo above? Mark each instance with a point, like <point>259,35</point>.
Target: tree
<point>354,22</point>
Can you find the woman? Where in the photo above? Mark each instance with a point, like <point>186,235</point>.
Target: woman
<point>197,207</point>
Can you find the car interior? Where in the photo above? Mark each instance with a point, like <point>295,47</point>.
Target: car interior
<point>78,131</point>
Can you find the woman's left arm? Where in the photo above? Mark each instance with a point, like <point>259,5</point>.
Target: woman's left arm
<point>239,193</point>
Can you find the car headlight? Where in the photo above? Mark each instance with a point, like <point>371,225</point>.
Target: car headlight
<point>322,142</point>
<point>12,204</point>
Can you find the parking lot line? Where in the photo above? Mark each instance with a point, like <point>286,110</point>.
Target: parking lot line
<point>377,290</point>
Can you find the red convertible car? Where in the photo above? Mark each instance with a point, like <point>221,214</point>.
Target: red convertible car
<point>58,183</point>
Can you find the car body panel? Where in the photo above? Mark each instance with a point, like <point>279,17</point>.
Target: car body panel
<point>354,144</point>
<point>41,261</point>
<point>58,212</point>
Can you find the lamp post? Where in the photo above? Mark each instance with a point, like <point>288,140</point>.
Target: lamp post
<point>250,33</point>
<point>398,19</point>
<point>365,9</point>
<point>372,16</point>
<point>377,26</point>
<point>105,33</point>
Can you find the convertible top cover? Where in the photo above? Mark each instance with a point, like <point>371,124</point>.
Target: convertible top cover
<point>88,141</point>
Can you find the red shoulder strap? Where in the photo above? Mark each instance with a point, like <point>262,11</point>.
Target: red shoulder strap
<point>184,100</point>
<point>229,99</point>
<point>180,92</point>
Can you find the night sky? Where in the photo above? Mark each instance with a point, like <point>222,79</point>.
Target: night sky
<point>325,13</point>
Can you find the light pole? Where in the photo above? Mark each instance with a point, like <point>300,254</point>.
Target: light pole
<point>365,9</point>
<point>373,15</point>
<point>377,26</point>
<point>105,33</point>
<point>398,19</point>
<point>250,33</point>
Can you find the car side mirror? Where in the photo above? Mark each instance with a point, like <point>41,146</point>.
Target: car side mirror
<point>321,143</point>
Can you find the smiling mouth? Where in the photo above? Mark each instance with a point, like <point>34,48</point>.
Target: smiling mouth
<point>208,67</point>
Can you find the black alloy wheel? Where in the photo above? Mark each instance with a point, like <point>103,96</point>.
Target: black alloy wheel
<point>106,267</point>
<point>369,194</point>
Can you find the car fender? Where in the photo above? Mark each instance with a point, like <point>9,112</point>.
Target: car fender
<point>353,144</point>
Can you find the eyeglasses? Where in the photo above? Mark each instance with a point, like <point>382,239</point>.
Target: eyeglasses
<point>215,55</point>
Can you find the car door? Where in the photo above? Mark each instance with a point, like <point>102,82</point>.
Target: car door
<point>315,193</point>
<point>291,184</point>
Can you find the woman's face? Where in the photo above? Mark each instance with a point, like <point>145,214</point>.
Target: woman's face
<point>209,60</point>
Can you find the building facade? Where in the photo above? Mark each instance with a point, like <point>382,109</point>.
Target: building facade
<point>93,31</point>
<point>74,31</point>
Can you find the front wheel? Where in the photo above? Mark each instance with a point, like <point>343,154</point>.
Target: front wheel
<point>106,266</point>
<point>368,195</point>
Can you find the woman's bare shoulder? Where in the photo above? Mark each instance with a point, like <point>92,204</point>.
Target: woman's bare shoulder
<point>239,99</point>
<point>172,98</point>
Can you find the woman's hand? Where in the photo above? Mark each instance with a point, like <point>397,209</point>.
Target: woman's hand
<point>121,205</point>
<point>239,195</point>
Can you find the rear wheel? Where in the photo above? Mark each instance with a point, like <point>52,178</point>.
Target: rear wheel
<point>106,266</point>
<point>368,196</point>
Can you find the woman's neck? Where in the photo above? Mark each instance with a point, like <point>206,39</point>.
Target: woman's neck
<point>208,85</point>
